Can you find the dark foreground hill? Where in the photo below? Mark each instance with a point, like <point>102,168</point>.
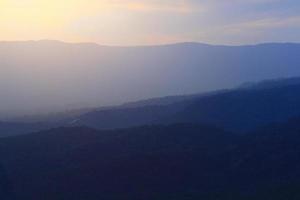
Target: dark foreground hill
<point>182,161</point>
<point>6,190</point>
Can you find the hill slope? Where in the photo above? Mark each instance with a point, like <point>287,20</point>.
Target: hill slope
<point>138,163</point>
<point>155,162</point>
<point>240,110</point>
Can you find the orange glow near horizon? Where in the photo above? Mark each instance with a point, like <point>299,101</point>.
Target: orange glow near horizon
<point>139,22</point>
<point>78,20</point>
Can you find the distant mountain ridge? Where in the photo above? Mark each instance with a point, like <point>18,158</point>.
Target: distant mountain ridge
<point>50,76</point>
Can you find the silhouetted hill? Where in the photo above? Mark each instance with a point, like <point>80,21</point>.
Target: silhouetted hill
<point>6,190</point>
<point>120,117</point>
<point>239,110</point>
<point>35,123</point>
<point>272,83</point>
<point>269,157</point>
<point>19,128</point>
<point>137,163</point>
<point>161,101</point>
<point>244,110</point>
<point>180,161</point>
<point>54,117</point>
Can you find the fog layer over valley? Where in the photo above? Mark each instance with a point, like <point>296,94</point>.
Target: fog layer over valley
<point>48,76</point>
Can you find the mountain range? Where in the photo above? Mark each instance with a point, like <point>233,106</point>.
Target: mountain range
<point>214,122</point>
<point>72,76</point>
<point>233,144</point>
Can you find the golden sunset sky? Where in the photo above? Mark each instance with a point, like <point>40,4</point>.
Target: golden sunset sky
<point>143,22</point>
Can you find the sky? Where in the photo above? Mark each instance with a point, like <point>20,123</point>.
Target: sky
<point>151,22</point>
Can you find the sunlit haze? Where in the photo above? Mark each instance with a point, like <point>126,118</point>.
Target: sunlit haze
<point>50,60</point>
<point>144,22</point>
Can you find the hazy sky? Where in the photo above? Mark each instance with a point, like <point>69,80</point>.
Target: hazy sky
<point>139,22</point>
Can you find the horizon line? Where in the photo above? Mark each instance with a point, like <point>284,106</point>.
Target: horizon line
<point>146,45</point>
